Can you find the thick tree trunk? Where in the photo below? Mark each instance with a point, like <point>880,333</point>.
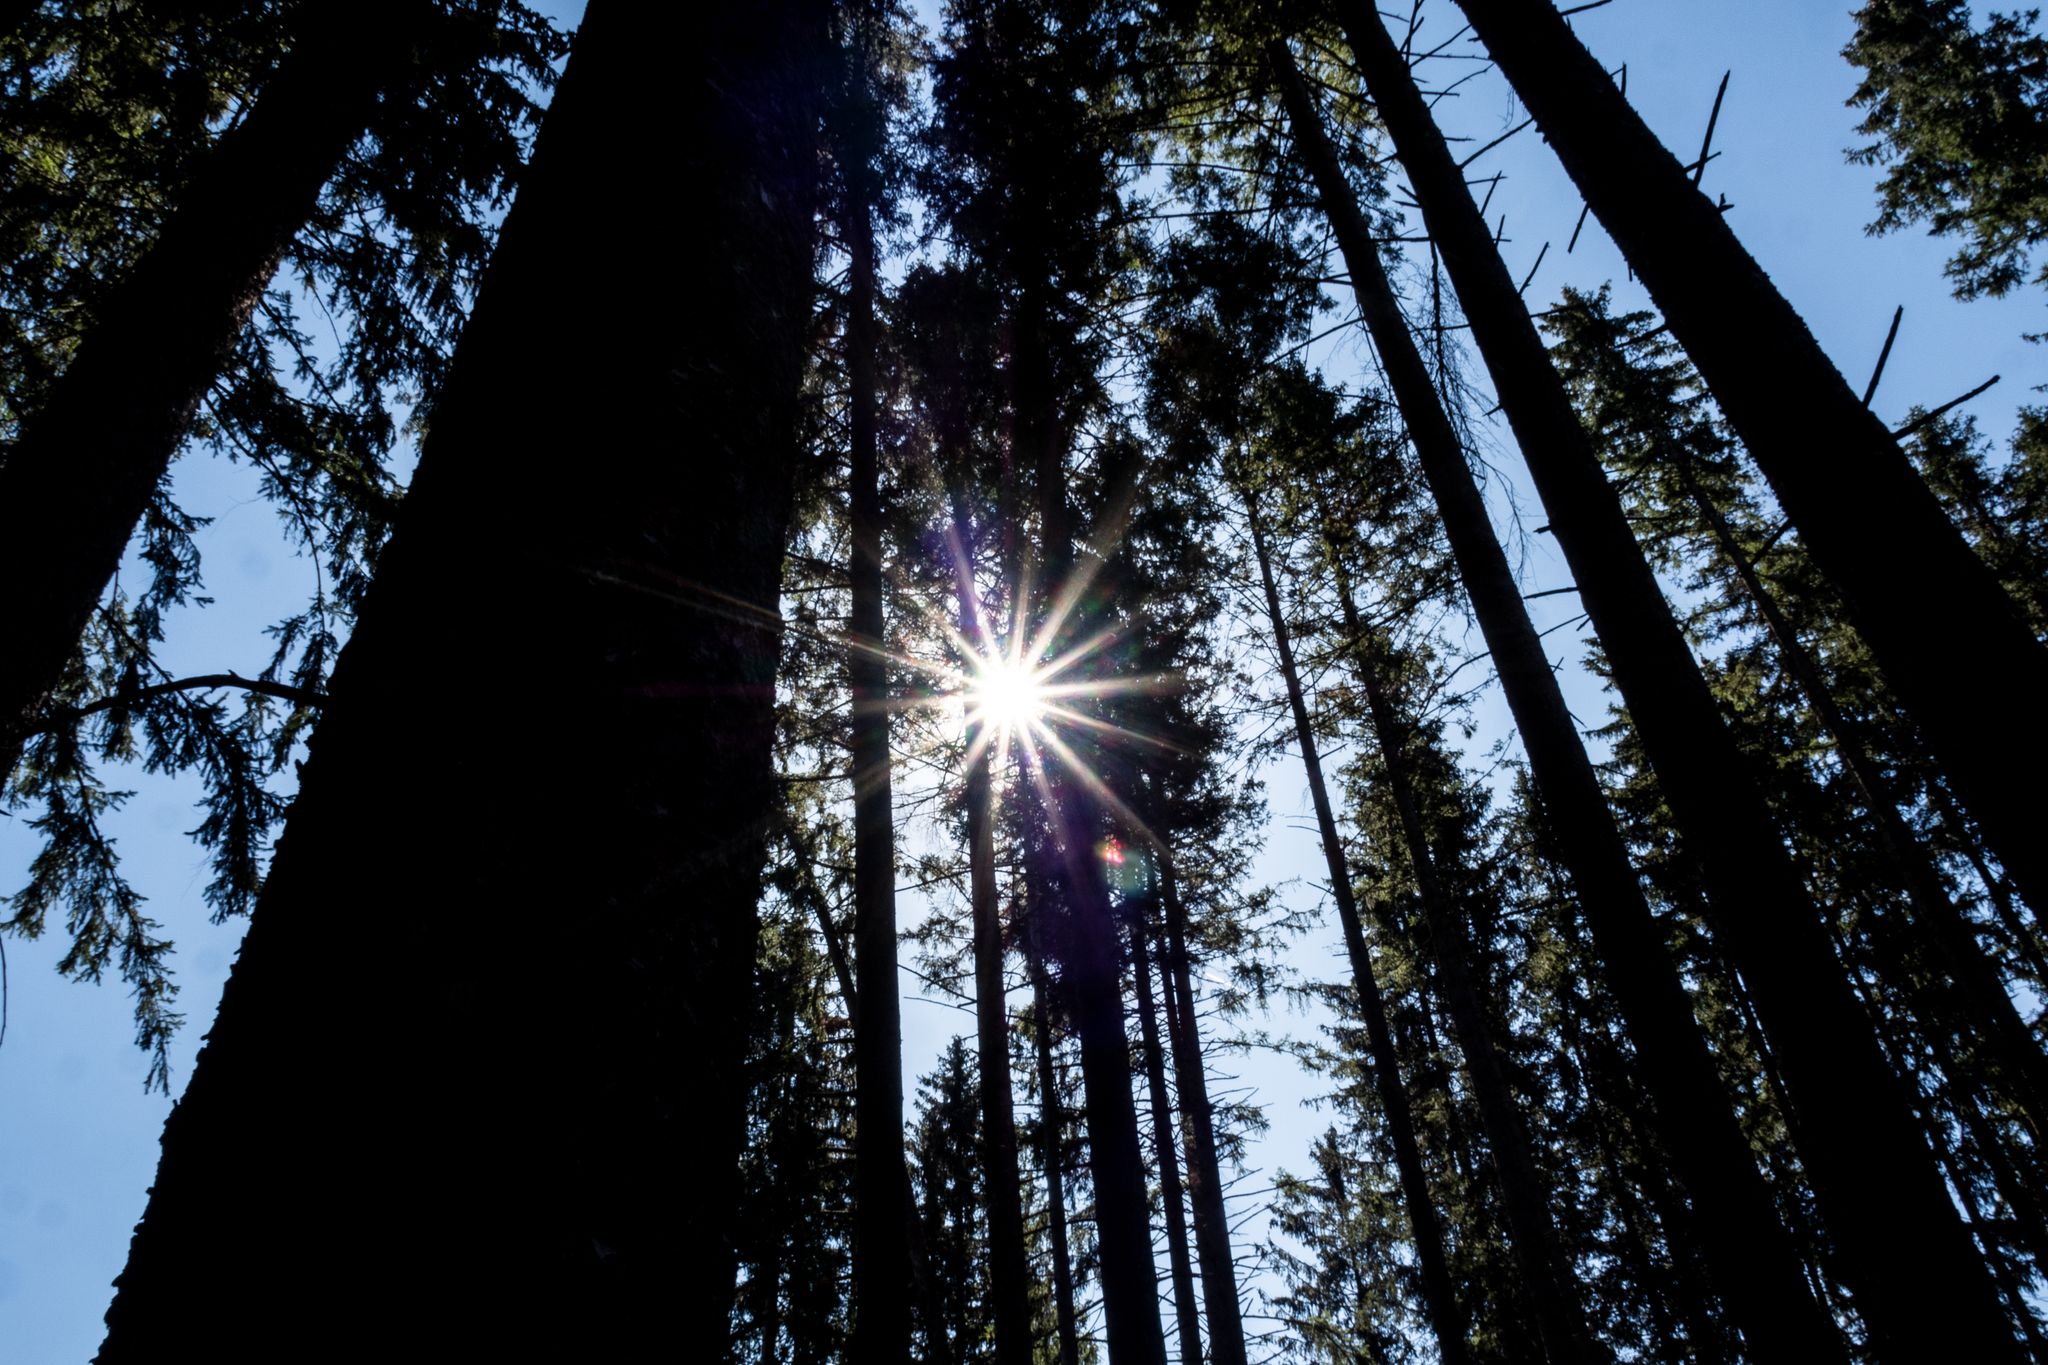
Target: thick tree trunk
<point>1878,1188</point>
<point>511,1132</point>
<point>881,1273</point>
<point>1973,682</point>
<point>1198,1131</point>
<point>1446,1314</point>
<point>1696,1122</point>
<point>1049,1154</point>
<point>1187,1318</point>
<point>87,463</point>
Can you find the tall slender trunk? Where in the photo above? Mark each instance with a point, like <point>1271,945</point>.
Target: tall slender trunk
<point>1094,967</point>
<point>1696,1122</point>
<point>1877,1185</point>
<point>923,1287</point>
<point>881,1273</point>
<point>1198,1130</point>
<point>1009,1270</point>
<point>536,1166</point>
<point>1446,1314</point>
<point>1938,919</point>
<point>89,460</point>
<point>1532,1233</point>
<point>1187,1318</point>
<point>1973,683</point>
<point>1050,1121</point>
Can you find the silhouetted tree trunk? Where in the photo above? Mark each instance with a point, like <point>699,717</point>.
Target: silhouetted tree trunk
<point>1198,1131</point>
<point>1446,1314</point>
<point>881,1268</point>
<point>86,464</point>
<point>1539,1255</point>
<point>1936,915</point>
<point>1695,1116</point>
<point>1973,683</point>
<point>1877,1187</point>
<point>1187,1318</point>
<point>524,1110</point>
<point>1094,967</point>
<point>1009,1270</point>
<point>1049,1154</point>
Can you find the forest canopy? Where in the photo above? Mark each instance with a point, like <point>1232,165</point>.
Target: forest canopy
<point>814,508</point>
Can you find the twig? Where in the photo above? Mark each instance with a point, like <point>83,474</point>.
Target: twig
<point>1700,167</point>
<point>1870,389</point>
<point>1924,418</point>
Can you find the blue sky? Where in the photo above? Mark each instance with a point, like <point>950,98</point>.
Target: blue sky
<point>77,1133</point>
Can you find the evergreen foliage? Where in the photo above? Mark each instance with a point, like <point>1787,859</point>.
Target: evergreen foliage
<point>1959,116</point>
<point>1046,443</point>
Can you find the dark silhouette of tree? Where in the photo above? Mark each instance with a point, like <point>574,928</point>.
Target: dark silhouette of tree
<point>628,488</point>
<point>1871,524</point>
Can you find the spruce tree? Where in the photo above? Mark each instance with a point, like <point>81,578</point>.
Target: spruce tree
<point>564,1163</point>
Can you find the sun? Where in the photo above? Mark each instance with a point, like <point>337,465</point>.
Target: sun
<point>1004,696</point>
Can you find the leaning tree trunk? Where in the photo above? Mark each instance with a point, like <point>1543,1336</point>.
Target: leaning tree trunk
<point>89,460</point>
<point>1952,644</point>
<point>1539,1253</point>
<point>1439,1294</point>
<point>1533,1240</point>
<point>1696,1122</point>
<point>1937,917</point>
<point>511,1130</point>
<point>881,1251</point>
<point>1878,1188</point>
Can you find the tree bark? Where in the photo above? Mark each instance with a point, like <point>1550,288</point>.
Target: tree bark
<point>1198,1130</point>
<point>1937,917</point>
<point>1446,1314</point>
<point>1877,1185</point>
<point>1050,1157</point>
<point>881,1274</point>
<point>1093,974</point>
<point>1009,1271</point>
<point>1695,1115</point>
<point>1187,1318</point>
<point>512,1131</point>
<point>87,463</point>
<point>1532,1232</point>
<point>1872,525</point>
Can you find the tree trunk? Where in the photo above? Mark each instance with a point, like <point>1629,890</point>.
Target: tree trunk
<point>1877,1186</point>
<point>1952,644</point>
<point>1696,1122</point>
<point>1009,1272</point>
<point>1093,974</point>
<point>1546,1270</point>
<point>1939,920</point>
<point>88,462</point>
<point>1186,1317</point>
<point>1446,1314</point>
<point>1198,1130</point>
<point>1049,1155</point>
<point>881,1273</point>
<point>512,1131</point>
